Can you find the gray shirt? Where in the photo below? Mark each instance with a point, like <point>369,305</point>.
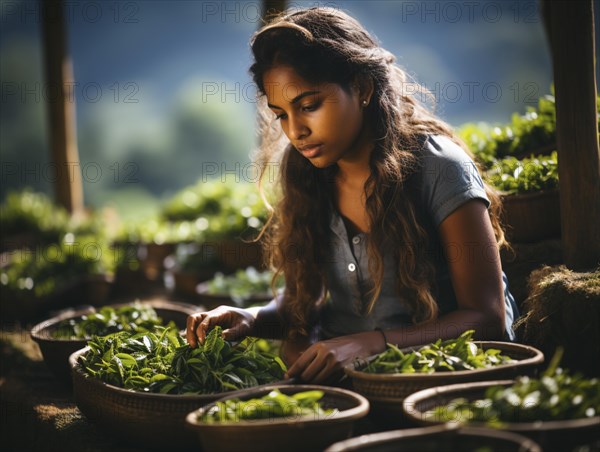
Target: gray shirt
<point>446,179</point>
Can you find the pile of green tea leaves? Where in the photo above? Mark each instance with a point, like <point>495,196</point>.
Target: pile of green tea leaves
<point>555,396</point>
<point>160,361</point>
<point>273,405</point>
<point>135,317</point>
<point>441,356</point>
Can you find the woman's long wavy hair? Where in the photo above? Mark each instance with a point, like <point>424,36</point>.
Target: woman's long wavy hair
<point>326,45</point>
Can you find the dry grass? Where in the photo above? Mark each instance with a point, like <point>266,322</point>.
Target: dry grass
<point>563,308</point>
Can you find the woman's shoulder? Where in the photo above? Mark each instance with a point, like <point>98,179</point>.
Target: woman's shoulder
<point>441,157</point>
<point>446,177</point>
<point>442,148</point>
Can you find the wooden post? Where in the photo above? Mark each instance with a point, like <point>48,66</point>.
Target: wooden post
<point>61,108</point>
<point>570,25</point>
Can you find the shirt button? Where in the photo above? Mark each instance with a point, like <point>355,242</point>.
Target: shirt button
<point>356,240</point>
<point>351,267</point>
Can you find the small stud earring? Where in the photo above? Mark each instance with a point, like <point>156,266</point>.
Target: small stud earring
<point>365,103</point>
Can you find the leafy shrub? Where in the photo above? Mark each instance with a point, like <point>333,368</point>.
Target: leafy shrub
<point>525,176</point>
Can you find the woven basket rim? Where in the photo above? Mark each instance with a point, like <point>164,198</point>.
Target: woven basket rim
<point>78,372</point>
<point>409,404</point>
<point>365,442</point>
<point>360,410</point>
<point>37,333</point>
<point>529,195</point>
<point>537,357</point>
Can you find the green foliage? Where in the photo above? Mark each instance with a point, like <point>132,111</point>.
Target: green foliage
<point>41,271</point>
<point>218,209</point>
<point>30,212</point>
<point>159,231</point>
<point>135,317</point>
<point>555,396</point>
<point>59,250</point>
<point>442,356</point>
<point>203,198</point>
<point>35,213</point>
<point>525,176</point>
<point>533,130</point>
<point>243,284</point>
<point>500,149</point>
<point>209,210</point>
<point>273,405</point>
<point>160,361</point>
<point>477,138</point>
<point>525,134</point>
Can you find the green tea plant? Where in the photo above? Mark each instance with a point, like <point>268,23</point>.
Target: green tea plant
<point>525,176</point>
<point>218,209</point>
<point>524,134</point>
<point>135,317</point>
<point>42,271</point>
<point>273,405</point>
<point>160,231</point>
<point>557,395</point>
<point>30,212</point>
<point>35,213</point>
<point>161,361</point>
<point>441,356</point>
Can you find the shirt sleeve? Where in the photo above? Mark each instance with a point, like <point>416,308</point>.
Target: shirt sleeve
<point>449,178</point>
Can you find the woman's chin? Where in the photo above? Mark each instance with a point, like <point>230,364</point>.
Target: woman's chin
<point>321,162</point>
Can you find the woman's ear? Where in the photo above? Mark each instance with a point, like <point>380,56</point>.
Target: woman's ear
<point>365,87</point>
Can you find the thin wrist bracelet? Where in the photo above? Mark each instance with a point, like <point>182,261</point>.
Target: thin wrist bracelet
<point>385,341</point>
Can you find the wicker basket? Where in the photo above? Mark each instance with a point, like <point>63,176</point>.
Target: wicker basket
<point>56,352</point>
<point>290,434</point>
<point>154,421</point>
<point>551,435</point>
<point>532,217</point>
<point>438,438</point>
<point>387,391</point>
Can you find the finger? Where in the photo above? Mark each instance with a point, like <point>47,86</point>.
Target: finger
<point>325,375</point>
<point>204,327</point>
<point>301,363</point>
<point>317,366</point>
<point>190,333</point>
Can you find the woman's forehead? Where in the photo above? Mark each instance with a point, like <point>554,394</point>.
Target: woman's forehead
<point>284,85</point>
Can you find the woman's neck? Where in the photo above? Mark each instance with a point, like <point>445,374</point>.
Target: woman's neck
<point>354,170</point>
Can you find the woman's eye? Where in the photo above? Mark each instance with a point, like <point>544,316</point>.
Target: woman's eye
<point>305,108</point>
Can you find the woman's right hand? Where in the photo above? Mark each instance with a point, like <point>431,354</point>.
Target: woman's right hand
<point>235,322</point>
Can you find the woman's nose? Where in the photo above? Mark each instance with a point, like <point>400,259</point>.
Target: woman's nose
<point>297,129</point>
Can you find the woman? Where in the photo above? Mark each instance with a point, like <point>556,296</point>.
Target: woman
<point>383,229</point>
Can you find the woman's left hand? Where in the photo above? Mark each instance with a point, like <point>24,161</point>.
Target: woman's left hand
<point>324,361</point>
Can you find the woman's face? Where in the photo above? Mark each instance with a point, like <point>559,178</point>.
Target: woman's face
<point>323,122</point>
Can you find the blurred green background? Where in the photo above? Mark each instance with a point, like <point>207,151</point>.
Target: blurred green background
<point>163,92</point>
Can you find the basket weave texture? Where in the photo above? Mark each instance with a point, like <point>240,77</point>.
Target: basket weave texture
<point>438,438</point>
<point>290,434</point>
<point>155,421</point>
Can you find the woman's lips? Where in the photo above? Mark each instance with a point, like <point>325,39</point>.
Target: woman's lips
<point>311,151</point>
